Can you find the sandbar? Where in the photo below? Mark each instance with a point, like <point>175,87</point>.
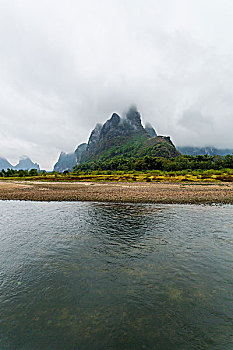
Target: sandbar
<point>138,192</point>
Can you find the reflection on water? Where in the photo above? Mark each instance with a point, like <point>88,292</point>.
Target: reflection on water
<point>115,276</point>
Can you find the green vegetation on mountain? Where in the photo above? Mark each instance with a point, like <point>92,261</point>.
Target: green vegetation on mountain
<point>138,146</point>
<point>145,163</point>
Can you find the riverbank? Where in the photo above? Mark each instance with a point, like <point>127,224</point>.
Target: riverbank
<point>196,193</point>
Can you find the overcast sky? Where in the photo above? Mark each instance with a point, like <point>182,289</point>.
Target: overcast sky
<point>67,64</point>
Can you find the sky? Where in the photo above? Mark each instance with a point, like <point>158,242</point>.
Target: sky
<point>67,64</point>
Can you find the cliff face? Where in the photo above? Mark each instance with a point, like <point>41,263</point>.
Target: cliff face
<point>66,161</point>
<point>94,138</point>
<point>79,152</point>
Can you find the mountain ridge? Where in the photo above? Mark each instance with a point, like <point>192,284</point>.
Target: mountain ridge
<point>209,150</point>
<point>25,163</point>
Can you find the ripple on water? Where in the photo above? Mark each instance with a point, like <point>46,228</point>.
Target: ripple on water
<point>115,276</point>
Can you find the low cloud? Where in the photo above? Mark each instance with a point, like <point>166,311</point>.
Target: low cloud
<point>194,121</point>
<point>66,65</point>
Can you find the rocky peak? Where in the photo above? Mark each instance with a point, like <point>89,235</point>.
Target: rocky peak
<point>115,119</point>
<point>110,124</point>
<point>134,117</point>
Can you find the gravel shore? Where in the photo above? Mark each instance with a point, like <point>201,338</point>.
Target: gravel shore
<point>118,192</point>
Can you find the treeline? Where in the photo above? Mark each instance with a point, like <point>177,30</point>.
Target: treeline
<point>184,162</point>
<point>18,173</point>
<point>147,163</point>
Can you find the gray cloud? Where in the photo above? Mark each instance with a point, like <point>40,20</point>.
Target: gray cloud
<point>65,65</point>
<point>195,122</point>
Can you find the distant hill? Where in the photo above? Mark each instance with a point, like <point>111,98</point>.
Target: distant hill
<point>194,151</point>
<point>24,163</point>
<point>121,137</point>
<point>67,161</point>
<point>4,164</point>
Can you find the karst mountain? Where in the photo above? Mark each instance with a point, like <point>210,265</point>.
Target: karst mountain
<point>119,137</point>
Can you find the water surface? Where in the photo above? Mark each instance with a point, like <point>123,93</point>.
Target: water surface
<point>115,276</point>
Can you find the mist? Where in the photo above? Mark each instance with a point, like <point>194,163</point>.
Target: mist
<point>66,65</point>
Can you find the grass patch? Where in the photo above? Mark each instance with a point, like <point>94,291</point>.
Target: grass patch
<point>225,175</point>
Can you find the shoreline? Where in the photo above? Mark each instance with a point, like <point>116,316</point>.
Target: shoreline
<point>138,192</point>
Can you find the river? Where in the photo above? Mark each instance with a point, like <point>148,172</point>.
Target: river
<point>115,276</point>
